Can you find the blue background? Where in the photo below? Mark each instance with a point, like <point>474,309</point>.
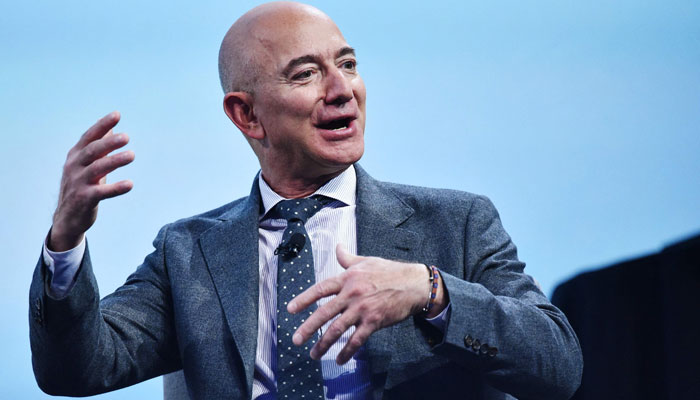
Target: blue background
<point>578,119</point>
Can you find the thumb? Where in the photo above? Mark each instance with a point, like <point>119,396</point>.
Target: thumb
<point>346,259</point>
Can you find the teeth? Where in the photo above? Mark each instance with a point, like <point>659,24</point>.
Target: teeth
<point>337,129</point>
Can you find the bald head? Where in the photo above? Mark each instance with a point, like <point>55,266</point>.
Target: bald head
<point>243,49</point>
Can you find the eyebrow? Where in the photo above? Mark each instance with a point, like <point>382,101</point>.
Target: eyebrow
<point>310,58</point>
<point>345,51</point>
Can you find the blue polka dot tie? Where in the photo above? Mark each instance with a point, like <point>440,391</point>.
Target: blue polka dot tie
<point>298,376</point>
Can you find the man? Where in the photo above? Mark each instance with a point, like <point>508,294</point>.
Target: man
<point>221,296</point>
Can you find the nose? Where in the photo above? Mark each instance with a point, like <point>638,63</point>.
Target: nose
<point>338,87</point>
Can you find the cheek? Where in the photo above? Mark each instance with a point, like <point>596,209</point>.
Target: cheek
<point>299,104</point>
<point>360,92</point>
<point>286,119</point>
<point>280,109</point>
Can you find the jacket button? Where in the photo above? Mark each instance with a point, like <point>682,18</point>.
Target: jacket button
<point>484,349</point>
<point>493,351</point>
<point>476,345</point>
<point>36,312</point>
<point>468,341</point>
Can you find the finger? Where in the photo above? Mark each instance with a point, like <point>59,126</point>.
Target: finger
<point>346,259</point>
<point>99,129</point>
<point>318,291</point>
<point>332,334</point>
<point>101,147</point>
<point>358,338</point>
<point>103,166</point>
<point>108,191</point>
<point>316,320</point>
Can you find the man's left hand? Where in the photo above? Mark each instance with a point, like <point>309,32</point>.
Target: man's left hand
<point>372,293</point>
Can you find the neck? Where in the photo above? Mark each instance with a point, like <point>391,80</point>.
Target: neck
<point>291,187</point>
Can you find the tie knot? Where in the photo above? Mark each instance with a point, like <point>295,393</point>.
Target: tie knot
<point>300,209</point>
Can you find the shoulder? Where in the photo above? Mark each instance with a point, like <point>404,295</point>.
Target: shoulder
<point>194,226</point>
<point>429,200</point>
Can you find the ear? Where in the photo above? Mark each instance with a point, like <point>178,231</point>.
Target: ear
<point>239,108</point>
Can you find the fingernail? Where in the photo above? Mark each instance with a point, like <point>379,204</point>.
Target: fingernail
<point>297,339</point>
<point>292,307</point>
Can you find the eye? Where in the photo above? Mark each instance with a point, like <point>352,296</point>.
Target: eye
<point>306,74</point>
<point>350,65</point>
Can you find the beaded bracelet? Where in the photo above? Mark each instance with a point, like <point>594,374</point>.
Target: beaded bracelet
<point>434,279</point>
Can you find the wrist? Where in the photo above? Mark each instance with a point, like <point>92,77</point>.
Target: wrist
<point>437,299</point>
<point>59,241</point>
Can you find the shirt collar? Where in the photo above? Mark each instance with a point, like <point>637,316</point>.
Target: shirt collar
<point>342,188</point>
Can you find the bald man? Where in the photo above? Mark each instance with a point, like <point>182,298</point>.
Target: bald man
<point>222,299</point>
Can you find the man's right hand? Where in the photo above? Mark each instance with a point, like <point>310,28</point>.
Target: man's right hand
<point>84,182</point>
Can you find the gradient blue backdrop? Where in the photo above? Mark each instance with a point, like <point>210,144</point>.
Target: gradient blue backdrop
<point>578,119</point>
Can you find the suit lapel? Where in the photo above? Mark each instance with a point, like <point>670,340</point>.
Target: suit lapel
<point>379,216</point>
<point>231,253</point>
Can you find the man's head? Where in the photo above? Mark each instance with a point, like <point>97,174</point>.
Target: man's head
<point>292,88</point>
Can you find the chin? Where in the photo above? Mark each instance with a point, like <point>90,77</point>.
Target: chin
<point>347,157</point>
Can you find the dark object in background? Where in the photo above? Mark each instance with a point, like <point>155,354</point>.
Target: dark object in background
<point>639,325</point>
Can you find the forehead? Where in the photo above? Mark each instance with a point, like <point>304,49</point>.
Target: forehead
<point>276,42</point>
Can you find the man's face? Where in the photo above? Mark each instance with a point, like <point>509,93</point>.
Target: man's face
<point>310,99</point>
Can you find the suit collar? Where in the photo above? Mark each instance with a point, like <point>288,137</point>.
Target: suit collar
<point>377,204</point>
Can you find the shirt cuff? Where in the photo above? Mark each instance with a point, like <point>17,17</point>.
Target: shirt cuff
<point>63,266</point>
<point>440,321</point>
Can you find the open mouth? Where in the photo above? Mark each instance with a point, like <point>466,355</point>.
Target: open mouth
<point>337,124</point>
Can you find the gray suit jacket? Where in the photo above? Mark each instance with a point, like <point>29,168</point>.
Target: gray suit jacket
<point>193,305</point>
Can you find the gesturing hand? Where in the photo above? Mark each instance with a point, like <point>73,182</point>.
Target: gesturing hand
<point>371,293</point>
<point>84,182</point>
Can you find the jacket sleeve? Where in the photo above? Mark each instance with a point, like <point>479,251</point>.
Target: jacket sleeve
<point>501,325</point>
<point>83,346</point>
